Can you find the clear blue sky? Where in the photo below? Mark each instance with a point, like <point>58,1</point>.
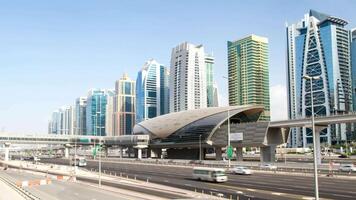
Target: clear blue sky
<point>54,51</point>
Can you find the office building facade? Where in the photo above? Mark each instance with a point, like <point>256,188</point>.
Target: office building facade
<point>152,92</point>
<point>353,63</point>
<point>248,77</point>
<point>318,45</point>
<point>124,106</point>
<point>62,121</point>
<point>109,113</point>
<point>209,63</point>
<point>80,116</point>
<point>96,112</point>
<point>187,83</point>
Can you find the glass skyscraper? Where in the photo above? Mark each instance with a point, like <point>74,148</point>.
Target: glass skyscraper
<point>353,62</point>
<point>318,45</point>
<point>62,121</point>
<point>124,106</point>
<point>95,112</point>
<point>248,73</point>
<point>151,91</point>
<point>209,63</point>
<point>187,81</point>
<point>80,116</point>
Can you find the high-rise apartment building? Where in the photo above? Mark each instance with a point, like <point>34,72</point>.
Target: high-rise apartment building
<point>109,113</point>
<point>187,83</point>
<point>209,62</point>
<point>62,121</point>
<point>96,112</point>
<point>353,78</point>
<point>152,92</point>
<point>248,73</point>
<point>353,63</point>
<point>124,106</point>
<point>215,95</point>
<point>318,45</point>
<point>80,116</point>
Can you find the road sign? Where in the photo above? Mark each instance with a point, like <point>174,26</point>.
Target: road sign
<point>96,149</point>
<point>236,136</point>
<point>229,152</point>
<point>84,140</point>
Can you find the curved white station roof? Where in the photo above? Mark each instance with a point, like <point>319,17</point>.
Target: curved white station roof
<point>164,125</point>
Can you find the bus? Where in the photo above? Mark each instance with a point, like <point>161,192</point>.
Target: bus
<point>209,174</point>
<point>79,161</point>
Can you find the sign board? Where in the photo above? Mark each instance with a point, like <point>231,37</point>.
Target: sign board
<point>230,152</point>
<point>84,140</point>
<point>236,137</point>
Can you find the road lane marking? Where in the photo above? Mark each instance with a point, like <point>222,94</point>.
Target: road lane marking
<point>276,193</point>
<point>341,195</point>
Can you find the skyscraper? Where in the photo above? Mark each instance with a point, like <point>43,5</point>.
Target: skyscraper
<point>248,73</point>
<point>124,106</point>
<point>318,45</point>
<point>353,77</point>
<point>209,62</point>
<point>151,91</point>
<point>80,116</point>
<point>109,113</point>
<point>62,121</point>
<point>95,112</point>
<point>187,83</point>
<point>215,95</point>
<point>353,63</point>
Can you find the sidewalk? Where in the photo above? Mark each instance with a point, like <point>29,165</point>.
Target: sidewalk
<point>6,192</point>
<point>125,183</point>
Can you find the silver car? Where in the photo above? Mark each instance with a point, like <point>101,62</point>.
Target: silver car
<point>268,166</point>
<point>348,168</point>
<point>241,170</point>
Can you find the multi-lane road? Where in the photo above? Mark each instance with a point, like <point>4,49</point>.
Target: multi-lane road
<point>57,190</point>
<point>257,186</point>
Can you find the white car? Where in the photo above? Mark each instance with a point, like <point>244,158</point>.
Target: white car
<point>268,166</point>
<point>241,170</point>
<point>348,168</point>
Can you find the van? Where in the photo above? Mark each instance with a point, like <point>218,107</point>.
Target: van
<point>209,174</point>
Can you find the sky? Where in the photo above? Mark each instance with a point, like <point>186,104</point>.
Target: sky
<point>52,52</point>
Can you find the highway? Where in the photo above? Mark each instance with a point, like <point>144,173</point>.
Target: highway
<point>257,186</point>
<point>63,189</point>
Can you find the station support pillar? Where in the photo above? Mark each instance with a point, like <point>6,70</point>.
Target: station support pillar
<point>156,153</point>
<point>268,153</point>
<point>66,152</point>
<point>121,152</point>
<point>139,153</point>
<point>7,152</point>
<point>318,130</point>
<point>239,154</point>
<point>218,153</point>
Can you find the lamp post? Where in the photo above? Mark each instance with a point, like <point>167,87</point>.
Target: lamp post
<point>100,164</point>
<point>228,125</point>
<point>100,144</point>
<point>316,184</point>
<point>200,147</point>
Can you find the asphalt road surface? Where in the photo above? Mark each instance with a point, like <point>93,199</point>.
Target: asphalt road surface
<point>256,186</point>
<point>59,190</point>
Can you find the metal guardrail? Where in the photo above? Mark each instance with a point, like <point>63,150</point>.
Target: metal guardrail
<point>24,193</point>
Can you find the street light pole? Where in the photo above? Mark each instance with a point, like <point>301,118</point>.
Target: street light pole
<point>228,134</point>
<point>228,125</point>
<point>200,147</point>
<point>316,184</point>
<point>100,164</point>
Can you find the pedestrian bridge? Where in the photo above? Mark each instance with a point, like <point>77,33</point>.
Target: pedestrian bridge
<point>126,140</point>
